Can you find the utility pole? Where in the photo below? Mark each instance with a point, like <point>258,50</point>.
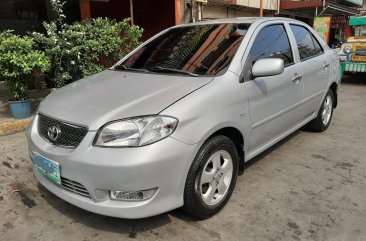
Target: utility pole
<point>199,11</point>
<point>84,9</point>
<point>131,12</point>
<point>261,8</point>
<point>191,18</point>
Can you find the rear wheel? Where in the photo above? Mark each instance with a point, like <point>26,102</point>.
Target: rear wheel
<point>322,121</point>
<point>211,178</point>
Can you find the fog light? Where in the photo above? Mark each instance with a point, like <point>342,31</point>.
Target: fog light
<point>133,196</point>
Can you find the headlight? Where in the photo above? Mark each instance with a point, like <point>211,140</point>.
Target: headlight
<point>139,131</point>
<point>347,49</point>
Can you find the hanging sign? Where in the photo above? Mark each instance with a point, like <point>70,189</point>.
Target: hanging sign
<point>322,26</point>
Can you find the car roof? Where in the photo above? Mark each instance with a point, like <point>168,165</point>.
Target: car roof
<point>248,20</point>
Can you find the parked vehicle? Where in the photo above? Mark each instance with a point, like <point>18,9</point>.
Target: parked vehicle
<point>172,124</point>
<point>353,52</point>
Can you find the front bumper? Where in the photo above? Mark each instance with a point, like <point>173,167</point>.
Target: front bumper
<point>163,164</point>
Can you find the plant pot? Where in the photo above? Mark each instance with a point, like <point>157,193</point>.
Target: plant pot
<point>20,109</point>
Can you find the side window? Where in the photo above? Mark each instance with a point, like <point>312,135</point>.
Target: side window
<point>308,46</point>
<point>318,48</point>
<point>272,42</point>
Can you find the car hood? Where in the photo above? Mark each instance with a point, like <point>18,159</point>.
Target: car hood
<point>113,95</point>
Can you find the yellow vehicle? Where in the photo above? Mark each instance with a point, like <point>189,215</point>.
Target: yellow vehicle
<point>353,52</point>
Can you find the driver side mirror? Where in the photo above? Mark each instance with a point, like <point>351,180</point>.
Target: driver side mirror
<point>267,67</point>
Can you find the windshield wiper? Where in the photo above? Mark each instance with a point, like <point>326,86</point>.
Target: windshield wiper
<point>124,67</point>
<point>167,70</point>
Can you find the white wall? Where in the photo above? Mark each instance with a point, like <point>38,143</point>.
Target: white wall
<point>267,4</point>
<point>213,12</point>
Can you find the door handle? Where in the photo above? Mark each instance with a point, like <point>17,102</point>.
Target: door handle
<point>297,79</point>
<point>325,66</point>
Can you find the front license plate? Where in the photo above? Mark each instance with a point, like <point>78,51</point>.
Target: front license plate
<point>47,167</point>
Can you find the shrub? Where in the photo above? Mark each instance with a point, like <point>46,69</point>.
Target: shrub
<point>85,48</point>
<point>20,63</point>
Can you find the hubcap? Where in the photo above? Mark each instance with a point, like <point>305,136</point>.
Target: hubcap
<point>216,177</point>
<point>327,110</point>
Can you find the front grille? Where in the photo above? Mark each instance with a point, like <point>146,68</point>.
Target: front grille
<point>69,135</point>
<point>74,187</point>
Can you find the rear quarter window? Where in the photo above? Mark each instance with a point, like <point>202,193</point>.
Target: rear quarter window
<point>307,44</point>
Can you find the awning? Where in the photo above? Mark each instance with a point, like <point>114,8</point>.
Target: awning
<point>309,9</point>
<point>357,21</point>
<point>338,9</point>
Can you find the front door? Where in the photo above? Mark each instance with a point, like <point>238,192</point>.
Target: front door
<point>274,100</point>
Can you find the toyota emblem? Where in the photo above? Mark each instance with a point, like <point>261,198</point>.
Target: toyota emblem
<point>53,132</point>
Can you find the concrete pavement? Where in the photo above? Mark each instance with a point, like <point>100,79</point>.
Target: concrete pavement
<point>310,186</point>
<point>9,125</point>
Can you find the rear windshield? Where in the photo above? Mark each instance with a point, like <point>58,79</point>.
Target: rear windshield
<point>201,50</point>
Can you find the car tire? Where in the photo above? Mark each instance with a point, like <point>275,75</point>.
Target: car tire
<point>211,178</point>
<point>325,114</point>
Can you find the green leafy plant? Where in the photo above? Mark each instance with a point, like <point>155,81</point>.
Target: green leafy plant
<point>103,42</point>
<point>58,8</point>
<point>84,48</point>
<point>57,51</point>
<point>20,63</point>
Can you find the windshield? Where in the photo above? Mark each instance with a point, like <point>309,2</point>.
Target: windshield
<point>194,50</point>
<point>360,31</point>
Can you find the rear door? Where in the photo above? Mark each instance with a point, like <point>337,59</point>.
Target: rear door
<point>314,64</point>
<point>274,100</point>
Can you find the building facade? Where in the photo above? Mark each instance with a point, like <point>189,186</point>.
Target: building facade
<point>152,15</point>
<point>155,15</point>
<point>27,15</point>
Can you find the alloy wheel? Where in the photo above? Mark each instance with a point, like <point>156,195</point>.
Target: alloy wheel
<point>327,110</point>
<point>216,177</point>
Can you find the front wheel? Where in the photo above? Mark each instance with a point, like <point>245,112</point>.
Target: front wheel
<point>325,114</point>
<point>211,178</point>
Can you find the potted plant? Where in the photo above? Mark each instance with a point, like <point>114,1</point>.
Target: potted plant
<point>19,63</point>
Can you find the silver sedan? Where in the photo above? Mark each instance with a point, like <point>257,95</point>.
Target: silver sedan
<point>172,124</point>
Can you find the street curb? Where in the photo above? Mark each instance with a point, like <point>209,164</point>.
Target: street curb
<point>11,127</point>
